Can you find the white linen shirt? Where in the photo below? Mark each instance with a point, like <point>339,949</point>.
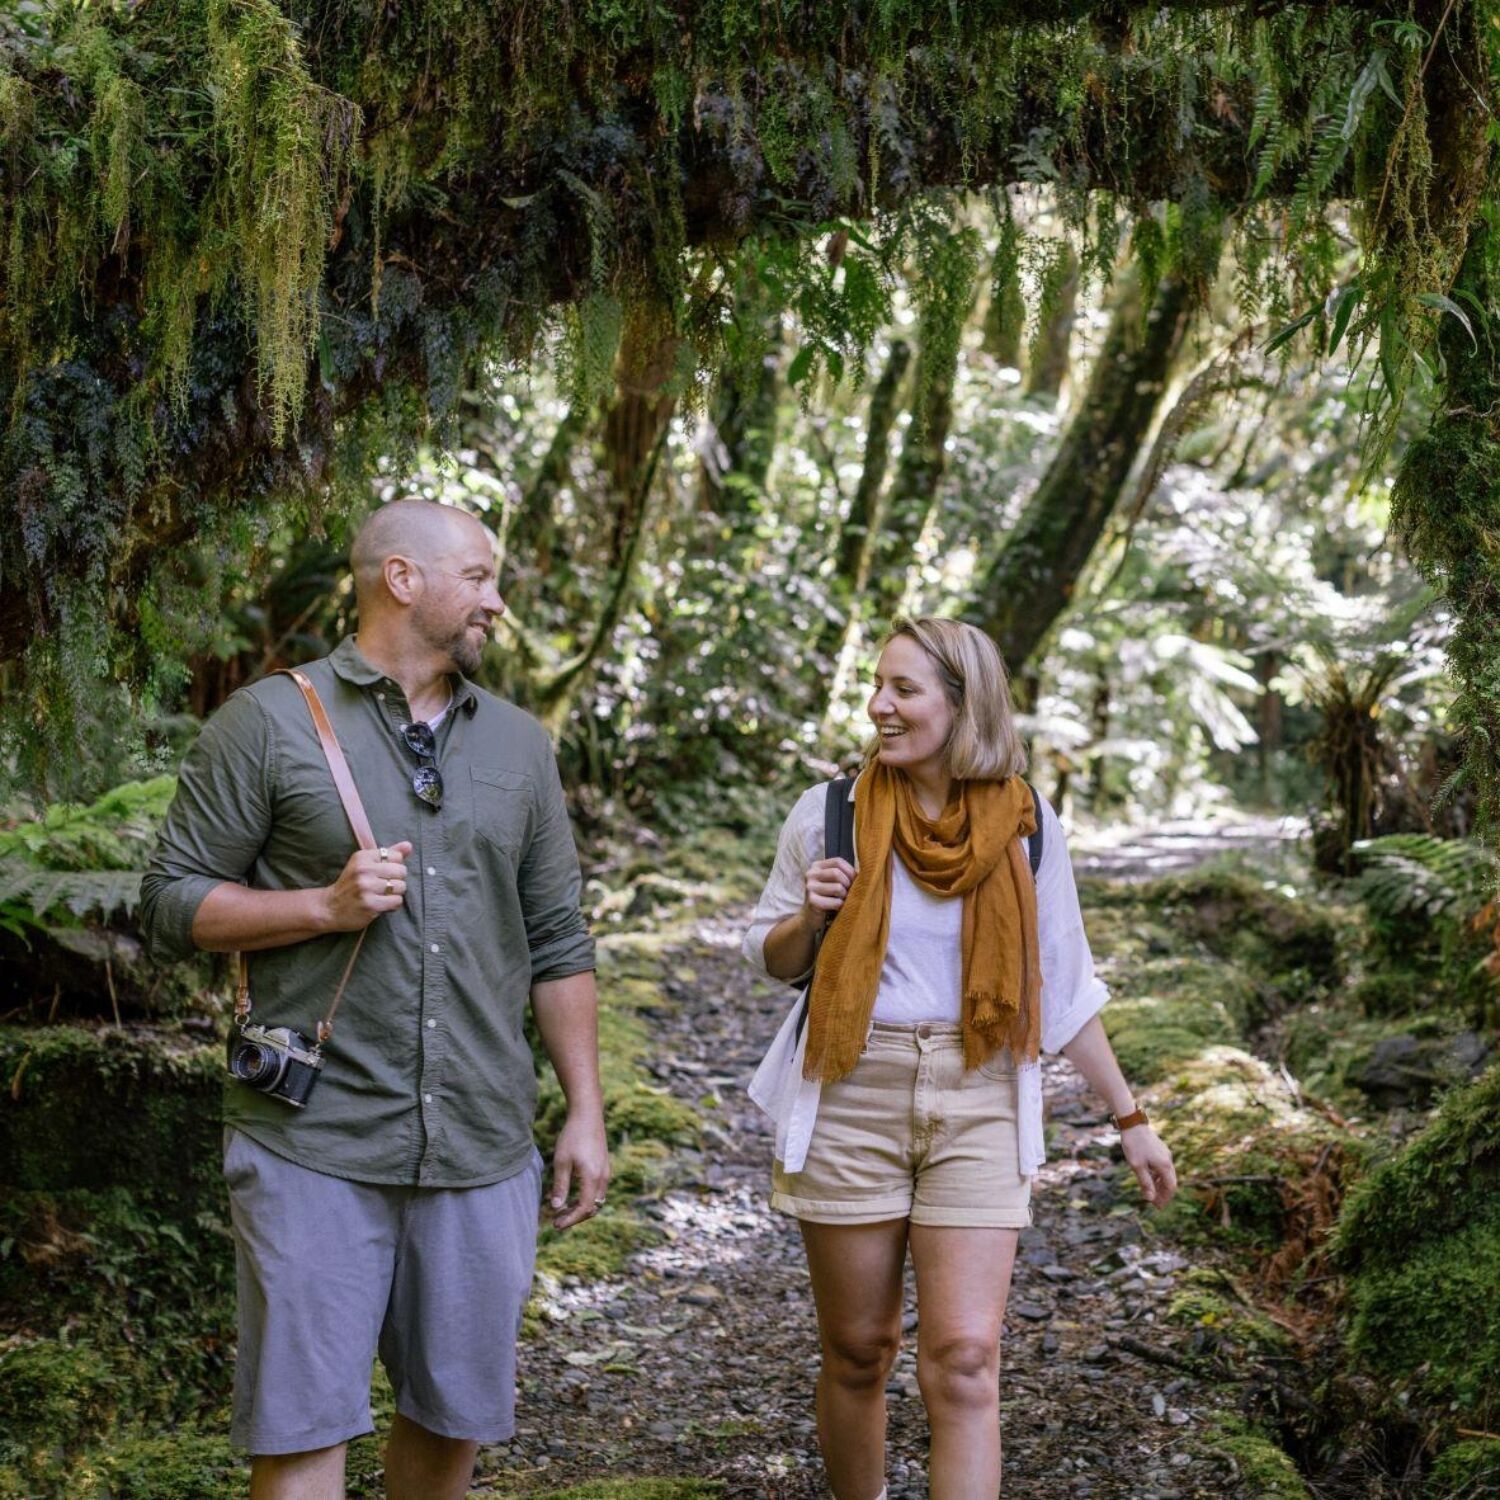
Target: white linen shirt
<point>918,984</point>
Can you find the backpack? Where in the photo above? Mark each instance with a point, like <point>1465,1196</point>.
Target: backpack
<point>838,843</point>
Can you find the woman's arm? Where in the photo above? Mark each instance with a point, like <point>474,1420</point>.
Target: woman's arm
<point>1147,1153</point>
<point>792,944</point>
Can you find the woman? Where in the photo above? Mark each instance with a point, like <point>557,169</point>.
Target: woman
<point>908,1101</point>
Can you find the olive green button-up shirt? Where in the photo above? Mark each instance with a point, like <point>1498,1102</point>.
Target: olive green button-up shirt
<point>428,1079</point>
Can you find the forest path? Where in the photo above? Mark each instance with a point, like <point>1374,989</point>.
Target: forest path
<point>700,1362</point>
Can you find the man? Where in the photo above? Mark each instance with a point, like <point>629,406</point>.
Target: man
<point>398,1209</point>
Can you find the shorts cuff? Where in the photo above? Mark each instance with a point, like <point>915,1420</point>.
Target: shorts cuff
<point>827,1211</point>
<point>447,1426</point>
<point>972,1218</point>
<point>274,1445</point>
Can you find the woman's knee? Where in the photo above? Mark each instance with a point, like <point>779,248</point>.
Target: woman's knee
<point>860,1361</point>
<point>959,1372</point>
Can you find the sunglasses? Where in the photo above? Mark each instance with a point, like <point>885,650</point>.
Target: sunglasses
<point>426,780</point>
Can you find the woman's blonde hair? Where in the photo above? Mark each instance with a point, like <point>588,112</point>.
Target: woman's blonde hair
<point>984,744</point>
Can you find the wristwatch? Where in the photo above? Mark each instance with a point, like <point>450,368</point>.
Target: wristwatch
<point>1137,1116</point>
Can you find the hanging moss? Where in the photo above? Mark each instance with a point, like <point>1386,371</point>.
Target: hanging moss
<point>249,246</point>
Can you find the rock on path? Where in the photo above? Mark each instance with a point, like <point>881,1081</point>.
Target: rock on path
<point>700,1361</point>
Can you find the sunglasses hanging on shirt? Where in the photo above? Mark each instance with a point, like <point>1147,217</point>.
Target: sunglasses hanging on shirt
<point>426,780</point>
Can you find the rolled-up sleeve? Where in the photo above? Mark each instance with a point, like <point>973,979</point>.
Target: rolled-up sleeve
<point>557,936</point>
<point>1072,994</point>
<point>798,846</point>
<point>217,824</point>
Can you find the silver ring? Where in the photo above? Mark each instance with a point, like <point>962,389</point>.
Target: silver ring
<point>384,854</point>
<point>599,1202</point>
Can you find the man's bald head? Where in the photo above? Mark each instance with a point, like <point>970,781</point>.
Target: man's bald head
<point>421,531</point>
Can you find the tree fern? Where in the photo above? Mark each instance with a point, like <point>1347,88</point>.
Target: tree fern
<point>1416,874</point>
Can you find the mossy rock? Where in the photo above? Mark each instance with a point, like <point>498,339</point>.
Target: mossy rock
<point>1263,1468</point>
<point>1206,1305</point>
<point>1240,1138</point>
<point>1466,1470</point>
<point>1261,925</point>
<point>188,1467</point>
<point>109,1108</point>
<point>596,1248</point>
<point>1420,1240</point>
<point>1173,1009</point>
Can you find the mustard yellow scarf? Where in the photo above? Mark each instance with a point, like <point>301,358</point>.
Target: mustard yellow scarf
<point>972,849</point>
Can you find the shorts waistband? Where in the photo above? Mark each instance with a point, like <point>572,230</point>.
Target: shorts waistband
<point>919,1028</point>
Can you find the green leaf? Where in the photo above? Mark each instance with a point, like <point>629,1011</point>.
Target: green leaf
<point>1341,307</point>
<point>1286,335</point>
<point>798,370</point>
<point>1447,304</point>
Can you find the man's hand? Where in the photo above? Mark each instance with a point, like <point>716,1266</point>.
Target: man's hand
<point>581,1162</point>
<point>371,884</point>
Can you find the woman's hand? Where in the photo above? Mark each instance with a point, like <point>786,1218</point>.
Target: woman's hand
<point>1152,1164</point>
<point>825,887</point>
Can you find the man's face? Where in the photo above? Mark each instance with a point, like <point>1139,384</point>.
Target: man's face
<point>459,600</point>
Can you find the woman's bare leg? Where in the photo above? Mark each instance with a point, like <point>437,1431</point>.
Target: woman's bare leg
<point>963,1279</point>
<point>856,1280</point>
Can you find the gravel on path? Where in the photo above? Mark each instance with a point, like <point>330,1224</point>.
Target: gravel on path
<point>699,1362</point>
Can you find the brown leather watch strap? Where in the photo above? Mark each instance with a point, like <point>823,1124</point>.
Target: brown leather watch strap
<point>354,810</point>
<point>1137,1116</point>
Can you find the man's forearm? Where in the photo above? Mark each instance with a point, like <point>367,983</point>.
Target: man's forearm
<point>567,1016</point>
<point>234,917</point>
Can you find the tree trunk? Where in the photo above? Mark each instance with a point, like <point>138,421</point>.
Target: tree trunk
<point>913,493</point>
<point>1048,366</point>
<point>740,439</point>
<point>531,538</point>
<point>1030,583</point>
<point>857,538</point>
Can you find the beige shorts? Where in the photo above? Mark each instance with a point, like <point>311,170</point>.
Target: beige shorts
<point>910,1135</point>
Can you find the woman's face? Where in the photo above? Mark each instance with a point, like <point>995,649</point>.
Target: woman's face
<point>909,708</point>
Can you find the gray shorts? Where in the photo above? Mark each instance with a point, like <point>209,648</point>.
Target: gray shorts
<point>330,1272</point>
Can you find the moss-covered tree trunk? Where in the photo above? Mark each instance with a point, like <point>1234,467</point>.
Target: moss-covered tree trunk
<point>1048,365</point>
<point>851,573</point>
<point>740,441</point>
<point>1030,583</point>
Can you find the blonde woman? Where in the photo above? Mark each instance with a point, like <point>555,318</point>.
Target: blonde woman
<point>907,1098</point>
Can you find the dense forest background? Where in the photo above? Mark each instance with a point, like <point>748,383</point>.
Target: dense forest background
<point>1159,343</point>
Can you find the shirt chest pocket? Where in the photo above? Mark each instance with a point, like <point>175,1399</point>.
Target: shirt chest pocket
<point>502,809</point>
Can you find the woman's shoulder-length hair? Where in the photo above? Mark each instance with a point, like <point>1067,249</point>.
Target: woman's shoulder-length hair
<point>985,744</point>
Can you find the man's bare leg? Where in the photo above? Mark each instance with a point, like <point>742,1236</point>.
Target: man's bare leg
<point>318,1475</point>
<point>420,1465</point>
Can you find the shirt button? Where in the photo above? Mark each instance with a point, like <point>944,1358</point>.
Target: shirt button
<point>430,870</point>
<point>431,1024</point>
<point>426,1098</point>
<point>432,947</point>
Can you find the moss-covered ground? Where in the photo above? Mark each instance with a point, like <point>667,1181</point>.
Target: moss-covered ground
<point>1356,1246</point>
<point>116,1266</point>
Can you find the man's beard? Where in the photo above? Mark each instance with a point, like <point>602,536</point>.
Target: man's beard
<point>460,646</point>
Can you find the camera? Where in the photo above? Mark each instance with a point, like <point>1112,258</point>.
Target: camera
<point>276,1060</point>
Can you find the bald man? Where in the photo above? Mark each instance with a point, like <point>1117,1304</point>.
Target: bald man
<point>394,1208</point>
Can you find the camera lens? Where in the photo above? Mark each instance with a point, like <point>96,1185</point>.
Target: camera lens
<point>258,1066</point>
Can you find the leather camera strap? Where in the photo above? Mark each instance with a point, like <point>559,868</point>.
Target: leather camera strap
<point>354,809</point>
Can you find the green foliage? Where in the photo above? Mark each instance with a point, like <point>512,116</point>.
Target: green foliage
<point>1465,1470</point>
<point>1420,1237</point>
<point>1262,1468</point>
<point>250,250</point>
<point>1414,875</point>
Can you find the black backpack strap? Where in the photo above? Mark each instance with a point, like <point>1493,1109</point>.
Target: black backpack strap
<point>838,843</point>
<point>1035,841</point>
